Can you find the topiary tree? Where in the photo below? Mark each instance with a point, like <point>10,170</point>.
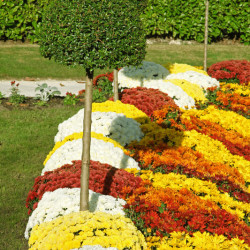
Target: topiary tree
<point>93,34</point>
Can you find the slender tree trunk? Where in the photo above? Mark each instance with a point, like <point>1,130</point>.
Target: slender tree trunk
<point>116,96</point>
<point>206,35</point>
<point>86,140</point>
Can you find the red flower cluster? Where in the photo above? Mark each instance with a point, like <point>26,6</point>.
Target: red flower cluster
<point>69,93</point>
<point>146,99</point>
<point>167,210</point>
<point>231,71</point>
<point>109,76</point>
<point>103,179</point>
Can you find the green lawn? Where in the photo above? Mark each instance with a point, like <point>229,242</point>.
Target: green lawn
<point>26,137</point>
<point>18,62</point>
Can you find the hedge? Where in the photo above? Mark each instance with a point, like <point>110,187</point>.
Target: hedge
<point>167,18</point>
<point>19,19</point>
<point>185,19</point>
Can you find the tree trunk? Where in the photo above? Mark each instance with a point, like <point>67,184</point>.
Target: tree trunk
<point>116,96</point>
<point>206,36</point>
<point>86,140</point>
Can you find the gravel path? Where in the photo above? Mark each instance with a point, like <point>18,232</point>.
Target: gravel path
<point>27,88</point>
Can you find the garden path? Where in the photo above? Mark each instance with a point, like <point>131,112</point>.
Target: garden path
<point>27,88</point>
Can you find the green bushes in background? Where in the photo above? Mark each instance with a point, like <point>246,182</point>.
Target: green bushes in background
<point>182,19</point>
<point>185,19</point>
<point>19,19</point>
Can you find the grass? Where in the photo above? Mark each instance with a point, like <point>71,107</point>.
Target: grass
<point>26,137</point>
<point>28,62</point>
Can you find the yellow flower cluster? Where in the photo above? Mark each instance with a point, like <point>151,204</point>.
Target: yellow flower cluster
<point>204,241</point>
<point>206,189</point>
<point>77,136</point>
<point>181,68</point>
<point>84,228</point>
<point>193,90</point>
<point>236,88</point>
<point>227,119</point>
<point>130,111</point>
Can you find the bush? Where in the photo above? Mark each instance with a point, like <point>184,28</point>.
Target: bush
<point>19,19</point>
<point>185,19</point>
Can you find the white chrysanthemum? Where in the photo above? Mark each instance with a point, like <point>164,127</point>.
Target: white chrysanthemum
<point>104,152</point>
<point>180,97</point>
<point>113,125</point>
<point>196,78</point>
<point>67,200</point>
<point>131,76</point>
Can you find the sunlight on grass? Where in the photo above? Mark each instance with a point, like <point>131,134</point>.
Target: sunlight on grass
<point>27,61</point>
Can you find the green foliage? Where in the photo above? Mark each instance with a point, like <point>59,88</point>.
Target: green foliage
<point>15,96</point>
<point>20,18</point>
<point>46,92</point>
<point>103,91</point>
<point>93,34</point>
<point>185,19</point>
<point>70,99</point>
<point>1,97</point>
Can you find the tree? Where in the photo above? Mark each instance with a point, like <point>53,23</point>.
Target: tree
<point>206,35</point>
<point>93,34</point>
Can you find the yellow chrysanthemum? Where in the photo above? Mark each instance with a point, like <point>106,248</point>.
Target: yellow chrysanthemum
<point>193,90</point>
<point>227,119</point>
<point>84,228</point>
<point>181,68</point>
<point>236,88</point>
<point>130,111</point>
<point>200,240</point>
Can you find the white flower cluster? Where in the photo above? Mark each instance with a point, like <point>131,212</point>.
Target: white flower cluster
<point>132,77</point>
<point>180,97</point>
<point>113,125</point>
<point>104,152</point>
<point>197,78</point>
<point>95,247</point>
<point>67,200</point>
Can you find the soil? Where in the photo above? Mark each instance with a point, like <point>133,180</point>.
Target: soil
<point>33,104</point>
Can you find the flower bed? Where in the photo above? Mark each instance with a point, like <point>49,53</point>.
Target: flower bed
<point>185,182</point>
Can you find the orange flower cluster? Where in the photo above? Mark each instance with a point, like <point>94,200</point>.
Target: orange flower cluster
<point>187,161</point>
<point>235,101</point>
<point>166,114</point>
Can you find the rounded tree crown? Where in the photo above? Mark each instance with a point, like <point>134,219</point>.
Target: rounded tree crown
<point>93,34</point>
